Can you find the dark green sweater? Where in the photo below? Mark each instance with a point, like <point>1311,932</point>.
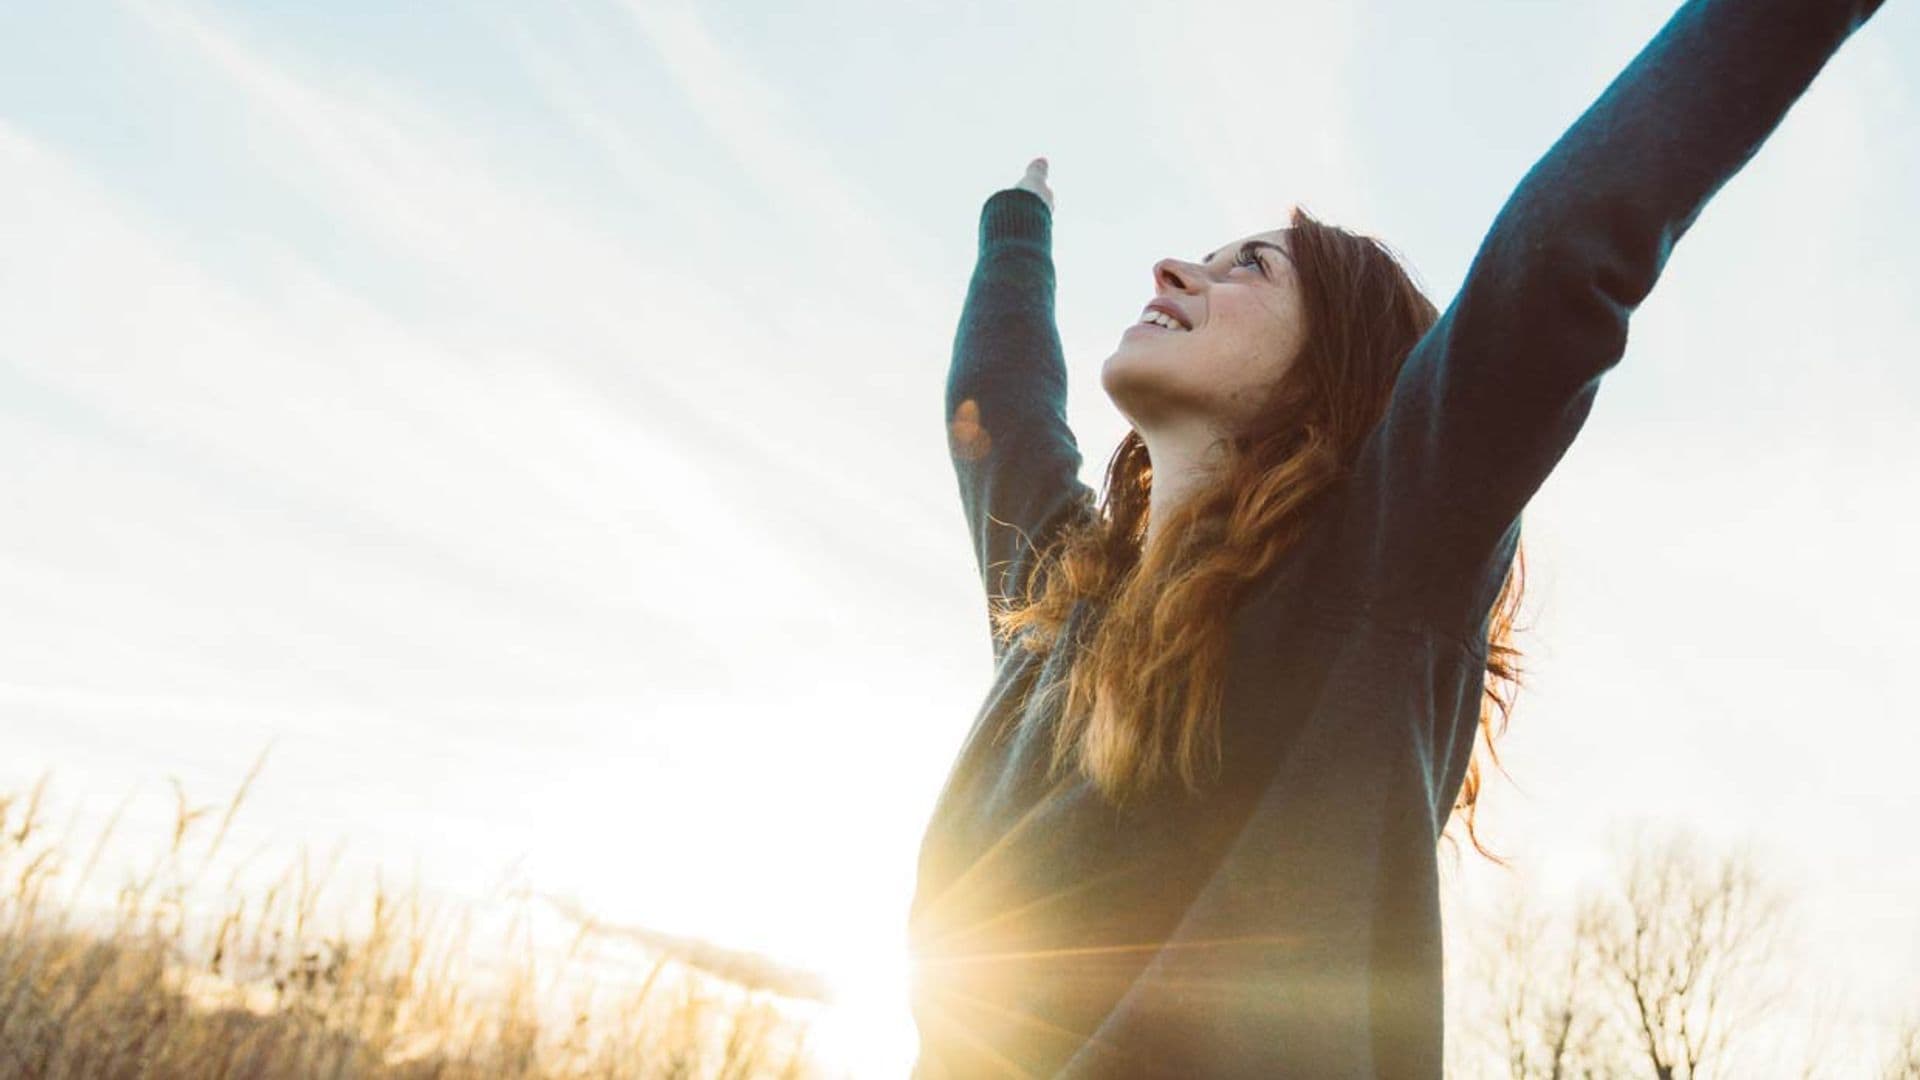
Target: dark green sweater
<point>1286,922</point>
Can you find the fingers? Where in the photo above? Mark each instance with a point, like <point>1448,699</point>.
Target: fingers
<point>1035,180</point>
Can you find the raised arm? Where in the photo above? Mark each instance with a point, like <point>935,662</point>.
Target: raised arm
<point>1006,398</point>
<point>1489,400</point>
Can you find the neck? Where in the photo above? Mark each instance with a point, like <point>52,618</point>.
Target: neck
<point>1183,462</point>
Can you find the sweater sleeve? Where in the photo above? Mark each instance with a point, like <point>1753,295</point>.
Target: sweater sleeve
<point>1006,396</point>
<point>1490,398</point>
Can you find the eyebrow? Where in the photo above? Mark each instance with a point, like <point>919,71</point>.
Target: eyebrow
<point>1249,246</point>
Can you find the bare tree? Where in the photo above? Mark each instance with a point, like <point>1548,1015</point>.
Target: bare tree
<point>1533,1003</point>
<point>1689,939</point>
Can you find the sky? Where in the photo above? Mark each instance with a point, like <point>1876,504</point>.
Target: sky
<point>525,424</point>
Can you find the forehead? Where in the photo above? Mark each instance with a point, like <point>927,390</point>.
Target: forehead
<point>1280,237</point>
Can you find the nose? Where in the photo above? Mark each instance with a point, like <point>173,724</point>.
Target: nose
<point>1176,275</point>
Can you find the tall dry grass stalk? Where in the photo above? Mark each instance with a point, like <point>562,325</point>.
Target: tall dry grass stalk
<point>188,977</point>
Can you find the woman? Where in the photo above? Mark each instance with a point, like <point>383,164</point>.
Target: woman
<point>1193,829</point>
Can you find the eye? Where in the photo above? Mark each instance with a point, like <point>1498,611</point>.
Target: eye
<point>1250,256</point>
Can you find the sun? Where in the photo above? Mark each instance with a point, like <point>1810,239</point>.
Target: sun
<point>867,1028</point>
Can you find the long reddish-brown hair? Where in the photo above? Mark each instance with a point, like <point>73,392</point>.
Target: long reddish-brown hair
<point>1143,692</point>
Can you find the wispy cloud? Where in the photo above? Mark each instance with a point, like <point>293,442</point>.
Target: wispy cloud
<point>1253,98</point>
<point>795,174</point>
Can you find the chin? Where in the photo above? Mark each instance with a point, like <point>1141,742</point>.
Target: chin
<point>1118,371</point>
<point>1132,356</point>
<point>1133,382</point>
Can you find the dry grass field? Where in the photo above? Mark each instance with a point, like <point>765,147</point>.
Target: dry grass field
<point>187,975</point>
<point>187,968</point>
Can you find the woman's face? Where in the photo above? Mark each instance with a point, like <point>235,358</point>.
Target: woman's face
<point>1243,307</point>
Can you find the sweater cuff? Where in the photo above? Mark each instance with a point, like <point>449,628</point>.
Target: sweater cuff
<point>1016,214</point>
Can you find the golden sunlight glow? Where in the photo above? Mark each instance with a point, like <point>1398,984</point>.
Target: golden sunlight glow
<point>868,1028</point>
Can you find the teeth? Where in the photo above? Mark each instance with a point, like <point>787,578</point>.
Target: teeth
<point>1160,318</point>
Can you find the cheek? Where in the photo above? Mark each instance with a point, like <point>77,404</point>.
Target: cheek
<point>1273,337</point>
<point>1241,375</point>
<point>1241,361</point>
